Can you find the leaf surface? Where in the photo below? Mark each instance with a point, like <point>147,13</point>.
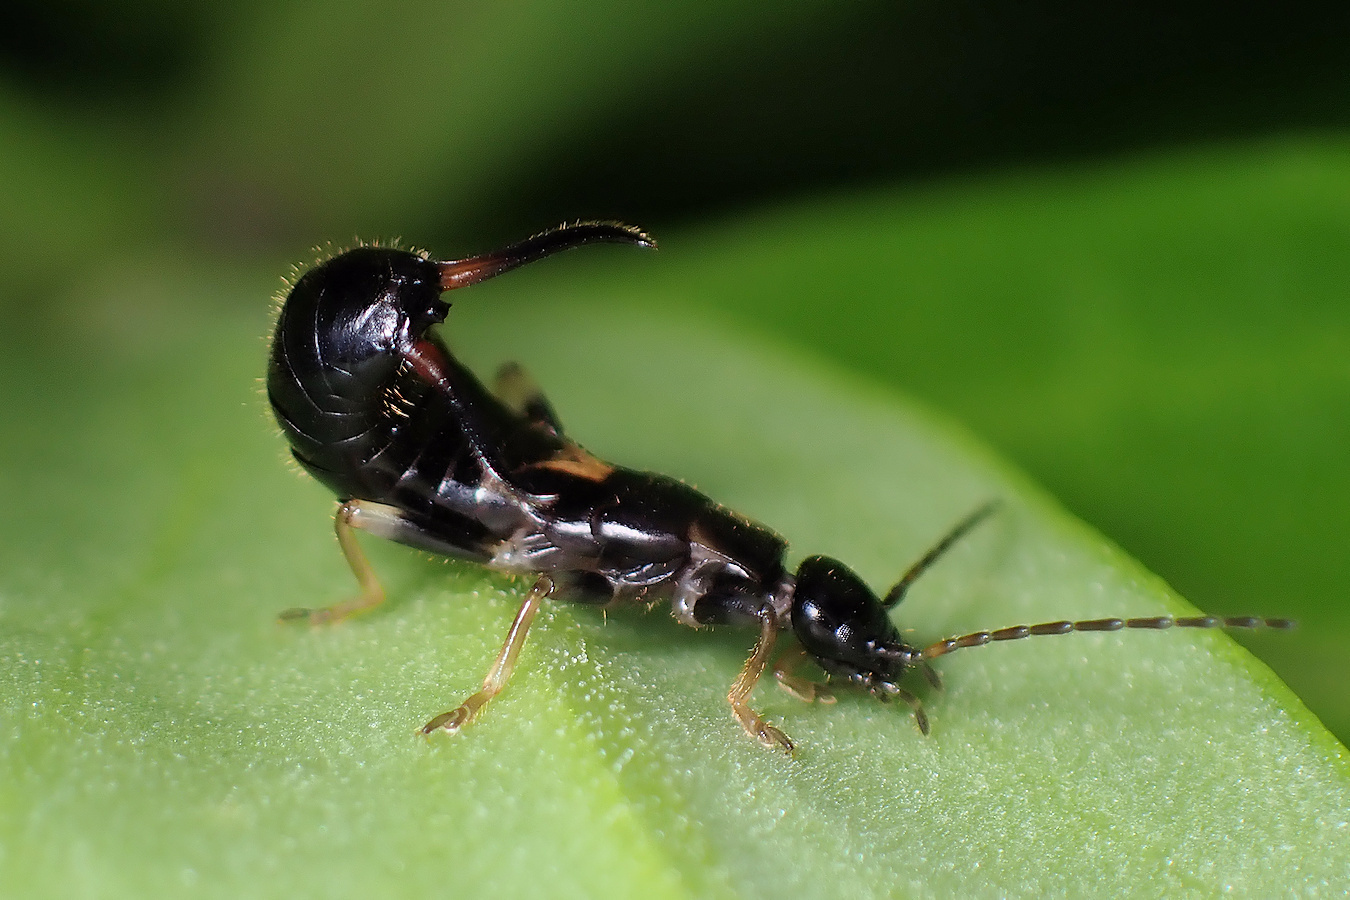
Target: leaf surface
<point>164,735</point>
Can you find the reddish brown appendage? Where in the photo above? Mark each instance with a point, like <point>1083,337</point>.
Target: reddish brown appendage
<point>464,272</point>
<point>371,596</point>
<point>458,273</point>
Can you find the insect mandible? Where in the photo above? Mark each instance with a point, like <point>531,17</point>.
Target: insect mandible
<point>418,451</point>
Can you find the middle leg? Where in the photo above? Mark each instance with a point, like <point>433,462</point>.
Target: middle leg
<point>496,679</point>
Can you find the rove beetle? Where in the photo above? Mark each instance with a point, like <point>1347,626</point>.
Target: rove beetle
<point>418,451</point>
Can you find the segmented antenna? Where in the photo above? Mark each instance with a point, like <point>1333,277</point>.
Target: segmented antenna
<point>1154,623</point>
<point>1064,626</point>
<point>897,591</point>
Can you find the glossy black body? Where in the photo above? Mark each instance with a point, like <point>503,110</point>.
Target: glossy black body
<point>417,450</point>
<point>376,407</point>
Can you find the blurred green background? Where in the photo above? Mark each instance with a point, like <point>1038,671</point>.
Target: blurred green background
<point>1113,241</point>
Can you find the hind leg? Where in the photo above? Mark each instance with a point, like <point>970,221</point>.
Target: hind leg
<point>351,515</point>
<point>384,521</point>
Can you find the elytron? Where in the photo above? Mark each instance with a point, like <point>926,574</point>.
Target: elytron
<point>418,451</point>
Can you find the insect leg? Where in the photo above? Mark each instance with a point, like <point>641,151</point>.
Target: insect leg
<point>522,395</point>
<point>374,517</point>
<point>751,721</point>
<point>803,689</point>
<point>496,678</point>
<point>392,524</point>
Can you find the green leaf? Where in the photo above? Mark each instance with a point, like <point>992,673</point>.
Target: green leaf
<point>165,736</point>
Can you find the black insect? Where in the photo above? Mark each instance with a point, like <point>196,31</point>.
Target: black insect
<point>420,452</point>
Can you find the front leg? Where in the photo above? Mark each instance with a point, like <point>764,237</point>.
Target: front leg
<point>751,721</point>
<point>700,599</point>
